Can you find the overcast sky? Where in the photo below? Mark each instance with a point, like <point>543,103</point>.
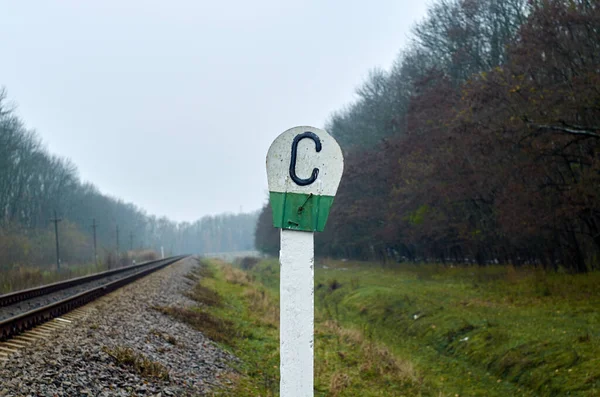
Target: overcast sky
<point>172,105</point>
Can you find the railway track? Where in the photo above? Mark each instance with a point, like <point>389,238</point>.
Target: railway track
<point>20,311</point>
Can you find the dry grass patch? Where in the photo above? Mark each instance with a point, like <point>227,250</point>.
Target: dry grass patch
<point>22,277</point>
<point>235,276</point>
<point>201,271</point>
<point>339,382</point>
<point>376,359</point>
<point>205,295</point>
<point>165,336</point>
<point>192,275</point>
<point>127,357</point>
<point>261,303</point>
<point>217,329</point>
<point>201,293</point>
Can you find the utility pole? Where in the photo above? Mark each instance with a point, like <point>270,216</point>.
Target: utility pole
<point>95,251</point>
<point>117,243</point>
<point>131,241</point>
<point>56,220</point>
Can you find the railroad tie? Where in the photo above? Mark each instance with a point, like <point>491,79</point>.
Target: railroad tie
<point>15,344</point>
<point>5,348</point>
<point>24,338</point>
<point>37,333</point>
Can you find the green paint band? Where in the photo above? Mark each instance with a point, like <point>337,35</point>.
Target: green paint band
<point>297,211</point>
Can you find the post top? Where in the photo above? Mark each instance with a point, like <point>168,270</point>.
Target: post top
<point>315,149</point>
<point>304,169</point>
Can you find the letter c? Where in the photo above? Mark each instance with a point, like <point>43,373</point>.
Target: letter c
<point>315,171</point>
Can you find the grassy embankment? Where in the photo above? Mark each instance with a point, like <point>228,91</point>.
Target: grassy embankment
<point>415,330</point>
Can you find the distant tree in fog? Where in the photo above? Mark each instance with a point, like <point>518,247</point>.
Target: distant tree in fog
<point>34,184</point>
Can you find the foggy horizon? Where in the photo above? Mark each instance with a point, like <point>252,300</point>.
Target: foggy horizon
<point>140,96</point>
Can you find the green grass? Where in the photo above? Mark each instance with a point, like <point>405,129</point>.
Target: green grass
<point>419,330</point>
<point>347,363</point>
<point>241,315</point>
<point>476,331</point>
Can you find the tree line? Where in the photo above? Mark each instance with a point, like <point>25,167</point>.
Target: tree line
<point>35,184</point>
<point>479,145</point>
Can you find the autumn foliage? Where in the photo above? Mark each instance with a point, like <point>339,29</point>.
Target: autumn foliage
<point>487,143</point>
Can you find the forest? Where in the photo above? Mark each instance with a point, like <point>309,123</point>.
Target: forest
<point>36,186</point>
<point>479,145</point>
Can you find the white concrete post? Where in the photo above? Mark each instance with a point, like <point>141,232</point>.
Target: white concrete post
<point>296,313</point>
<point>162,252</point>
<point>304,168</point>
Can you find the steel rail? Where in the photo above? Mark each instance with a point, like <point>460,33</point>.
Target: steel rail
<point>24,321</point>
<point>23,295</point>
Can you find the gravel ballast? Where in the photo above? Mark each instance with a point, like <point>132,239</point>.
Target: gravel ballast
<point>76,360</point>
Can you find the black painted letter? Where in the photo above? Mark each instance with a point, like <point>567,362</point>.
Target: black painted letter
<point>315,171</point>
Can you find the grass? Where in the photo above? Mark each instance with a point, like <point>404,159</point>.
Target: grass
<point>164,336</point>
<point>242,319</point>
<point>217,329</point>
<point>207,296</point>
<point>424,330</point>
<point>127,357</point>
<point>348,363</point>
<point>492,331</point>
